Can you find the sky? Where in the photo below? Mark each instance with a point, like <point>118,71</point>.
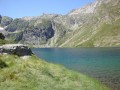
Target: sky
<point>22,8</point>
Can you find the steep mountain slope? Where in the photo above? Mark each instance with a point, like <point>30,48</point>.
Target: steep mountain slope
<point>101,27</point>
<point>95,25</point>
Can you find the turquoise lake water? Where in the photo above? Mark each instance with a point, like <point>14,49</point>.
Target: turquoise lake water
<point>100,63</point>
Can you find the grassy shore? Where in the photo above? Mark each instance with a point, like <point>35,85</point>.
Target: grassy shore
<point>32,73</point>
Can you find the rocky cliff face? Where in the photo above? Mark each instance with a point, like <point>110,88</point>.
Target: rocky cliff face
<point>36,36</point>
<point>95,25</point>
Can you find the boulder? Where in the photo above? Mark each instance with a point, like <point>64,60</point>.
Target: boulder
<point>16,49</point>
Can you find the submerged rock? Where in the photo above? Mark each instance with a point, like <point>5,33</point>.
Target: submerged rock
<point>16,49</point>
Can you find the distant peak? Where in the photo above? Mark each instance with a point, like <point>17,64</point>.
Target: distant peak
<point>86,9</point>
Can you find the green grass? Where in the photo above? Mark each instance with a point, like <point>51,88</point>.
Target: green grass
<point>2,42</point>
<point>108,35</point>
<point>36,74</point>
<point>88,43</point>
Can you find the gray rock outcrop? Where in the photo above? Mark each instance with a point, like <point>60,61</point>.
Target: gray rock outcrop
<point>37,36</point>
<point>16,49</point>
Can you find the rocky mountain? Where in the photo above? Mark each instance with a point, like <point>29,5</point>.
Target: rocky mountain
<point>95,25</point>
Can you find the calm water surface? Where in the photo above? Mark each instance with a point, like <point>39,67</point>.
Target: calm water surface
<point>100,63</point>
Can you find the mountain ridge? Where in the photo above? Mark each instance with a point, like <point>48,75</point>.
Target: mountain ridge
<point>95,25</point>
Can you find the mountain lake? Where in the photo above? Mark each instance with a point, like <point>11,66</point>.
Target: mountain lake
<point>100,63</point>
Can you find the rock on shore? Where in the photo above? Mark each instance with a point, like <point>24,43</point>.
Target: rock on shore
<point>16,49</point>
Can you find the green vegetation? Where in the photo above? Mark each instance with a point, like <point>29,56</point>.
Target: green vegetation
<point>2,42</point>
<point>2,64</point>
<point>4,21</point>
<point>42,24</point>
<point>87,44</point>
<point>36,74</point>
<point>107,35</point>
<point>19,24</point>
